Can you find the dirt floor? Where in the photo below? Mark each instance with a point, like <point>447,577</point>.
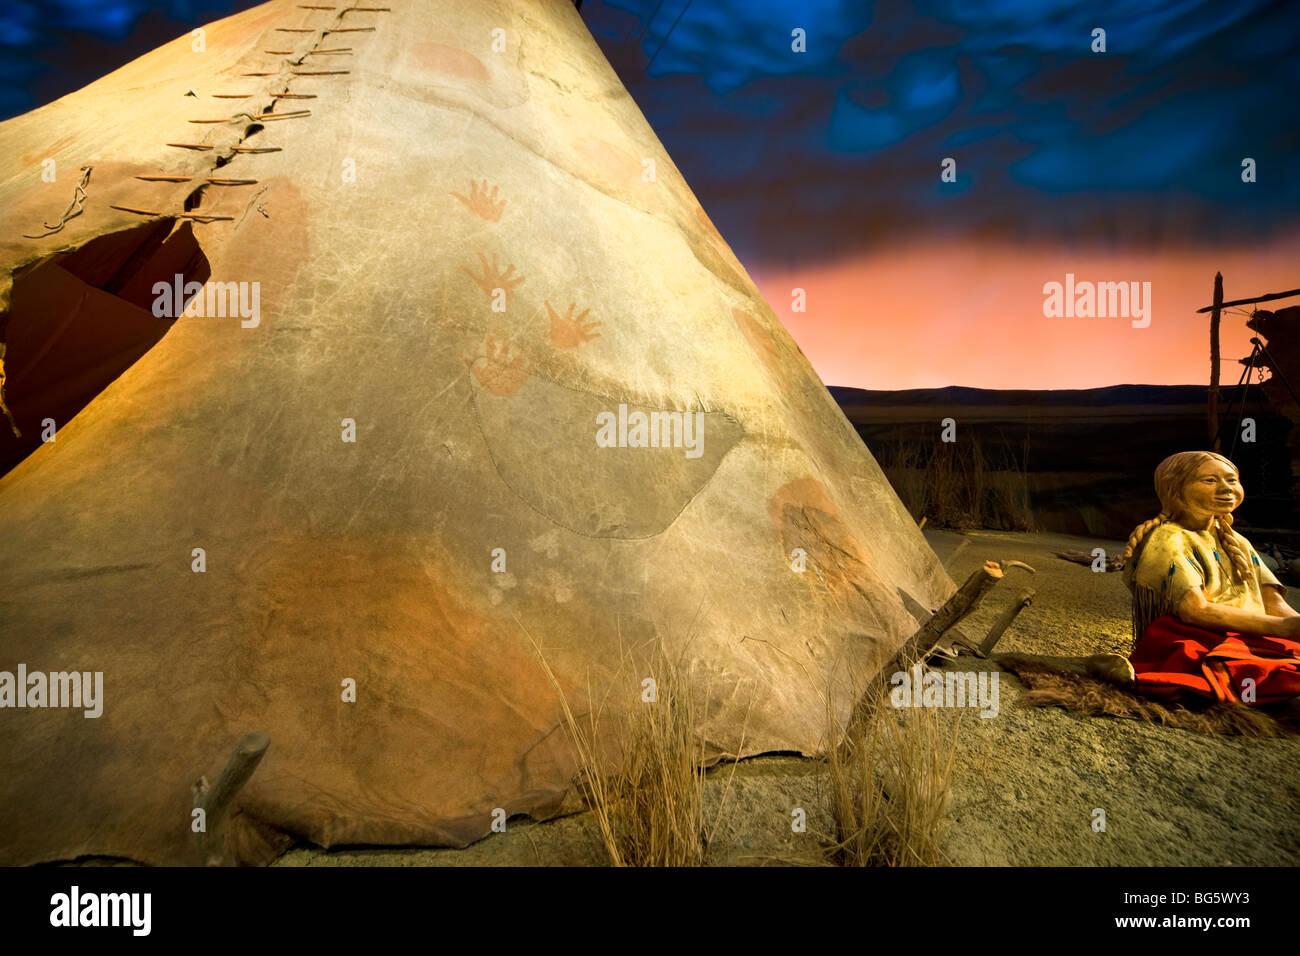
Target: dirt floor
<point>1026,783</point>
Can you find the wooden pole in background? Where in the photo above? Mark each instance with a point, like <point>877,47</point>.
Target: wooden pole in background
<point>1213,413</point>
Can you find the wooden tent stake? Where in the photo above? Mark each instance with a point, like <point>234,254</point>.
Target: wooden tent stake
<point>215,800</point>
<point>1022,600</point>
<point>919,645</point>
<point>967,598</point>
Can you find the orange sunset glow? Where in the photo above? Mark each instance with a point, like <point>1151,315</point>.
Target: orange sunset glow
<point>955,313</point>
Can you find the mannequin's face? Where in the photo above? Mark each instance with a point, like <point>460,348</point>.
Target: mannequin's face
<point>1213,490</point>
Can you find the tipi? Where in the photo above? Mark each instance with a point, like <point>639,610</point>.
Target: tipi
<point>464,362</point>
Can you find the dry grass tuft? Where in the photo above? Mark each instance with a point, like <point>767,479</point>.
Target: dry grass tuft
<point>658,799</point>
<point>649,803</point>
<point>960,484</point>
<point>890,784</point>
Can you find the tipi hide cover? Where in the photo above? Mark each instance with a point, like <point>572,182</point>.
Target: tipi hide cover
<point>468,368</point>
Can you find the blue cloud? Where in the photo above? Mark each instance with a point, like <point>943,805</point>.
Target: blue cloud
<point>730,44</point>
<point>799,154</point>
<point>1158,149</point>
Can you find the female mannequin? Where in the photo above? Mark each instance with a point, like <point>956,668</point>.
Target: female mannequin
<point>1209,618</point>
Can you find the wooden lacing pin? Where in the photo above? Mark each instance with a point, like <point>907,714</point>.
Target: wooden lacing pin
<point>313,6</point>
<point>260,74</point>
<point>196,216</point>
<point>212,180</point>
<point>138,212</point>
<point>165,179</point>
<point>293,30</point>
<point>197,146</point>
<point>296,114</point>
<point>225,120</point>
<point>351,30</point>
<point>256,149</point>
<point>318,72</point>
<point>279,52</point>
<point>368,10</point>
<point>293,96</point>
<point>231,96</point>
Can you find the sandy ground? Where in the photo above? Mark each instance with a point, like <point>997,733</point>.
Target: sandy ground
<point>1026,782</point>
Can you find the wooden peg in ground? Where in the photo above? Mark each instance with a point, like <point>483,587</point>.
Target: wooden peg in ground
<point>967,598</point>
<point>1022,600</point>
<point>922,643</point>
<point>215,800</point>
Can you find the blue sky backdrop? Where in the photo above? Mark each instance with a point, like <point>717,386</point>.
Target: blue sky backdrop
<point>1141,143</point>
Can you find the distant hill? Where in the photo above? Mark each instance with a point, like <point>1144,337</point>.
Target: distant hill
<point>1092,397</point>
<point>1078,461</point>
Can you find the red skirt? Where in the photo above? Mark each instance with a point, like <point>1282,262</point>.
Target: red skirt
<point>1173,658</point>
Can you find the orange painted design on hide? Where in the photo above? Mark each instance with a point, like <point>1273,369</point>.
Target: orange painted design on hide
<point>448,59</point>
<point>620,167</point>
<point>483,202</point>
<point>759,340</point>
<point>807,518</point>
<point>568,331</point>
<point>504,370</point>
<point>493,278</point>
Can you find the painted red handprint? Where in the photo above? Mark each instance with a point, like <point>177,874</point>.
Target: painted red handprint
<point>493,278</point>
<point>568,332</point>
<point>483,202</point>
<point>504,370</point>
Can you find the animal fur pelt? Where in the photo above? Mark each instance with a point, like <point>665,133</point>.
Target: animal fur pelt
<point>1063,684</point>
<point>1113,563</point>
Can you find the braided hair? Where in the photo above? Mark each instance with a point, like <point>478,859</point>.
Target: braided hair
<point>1171,477</point>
